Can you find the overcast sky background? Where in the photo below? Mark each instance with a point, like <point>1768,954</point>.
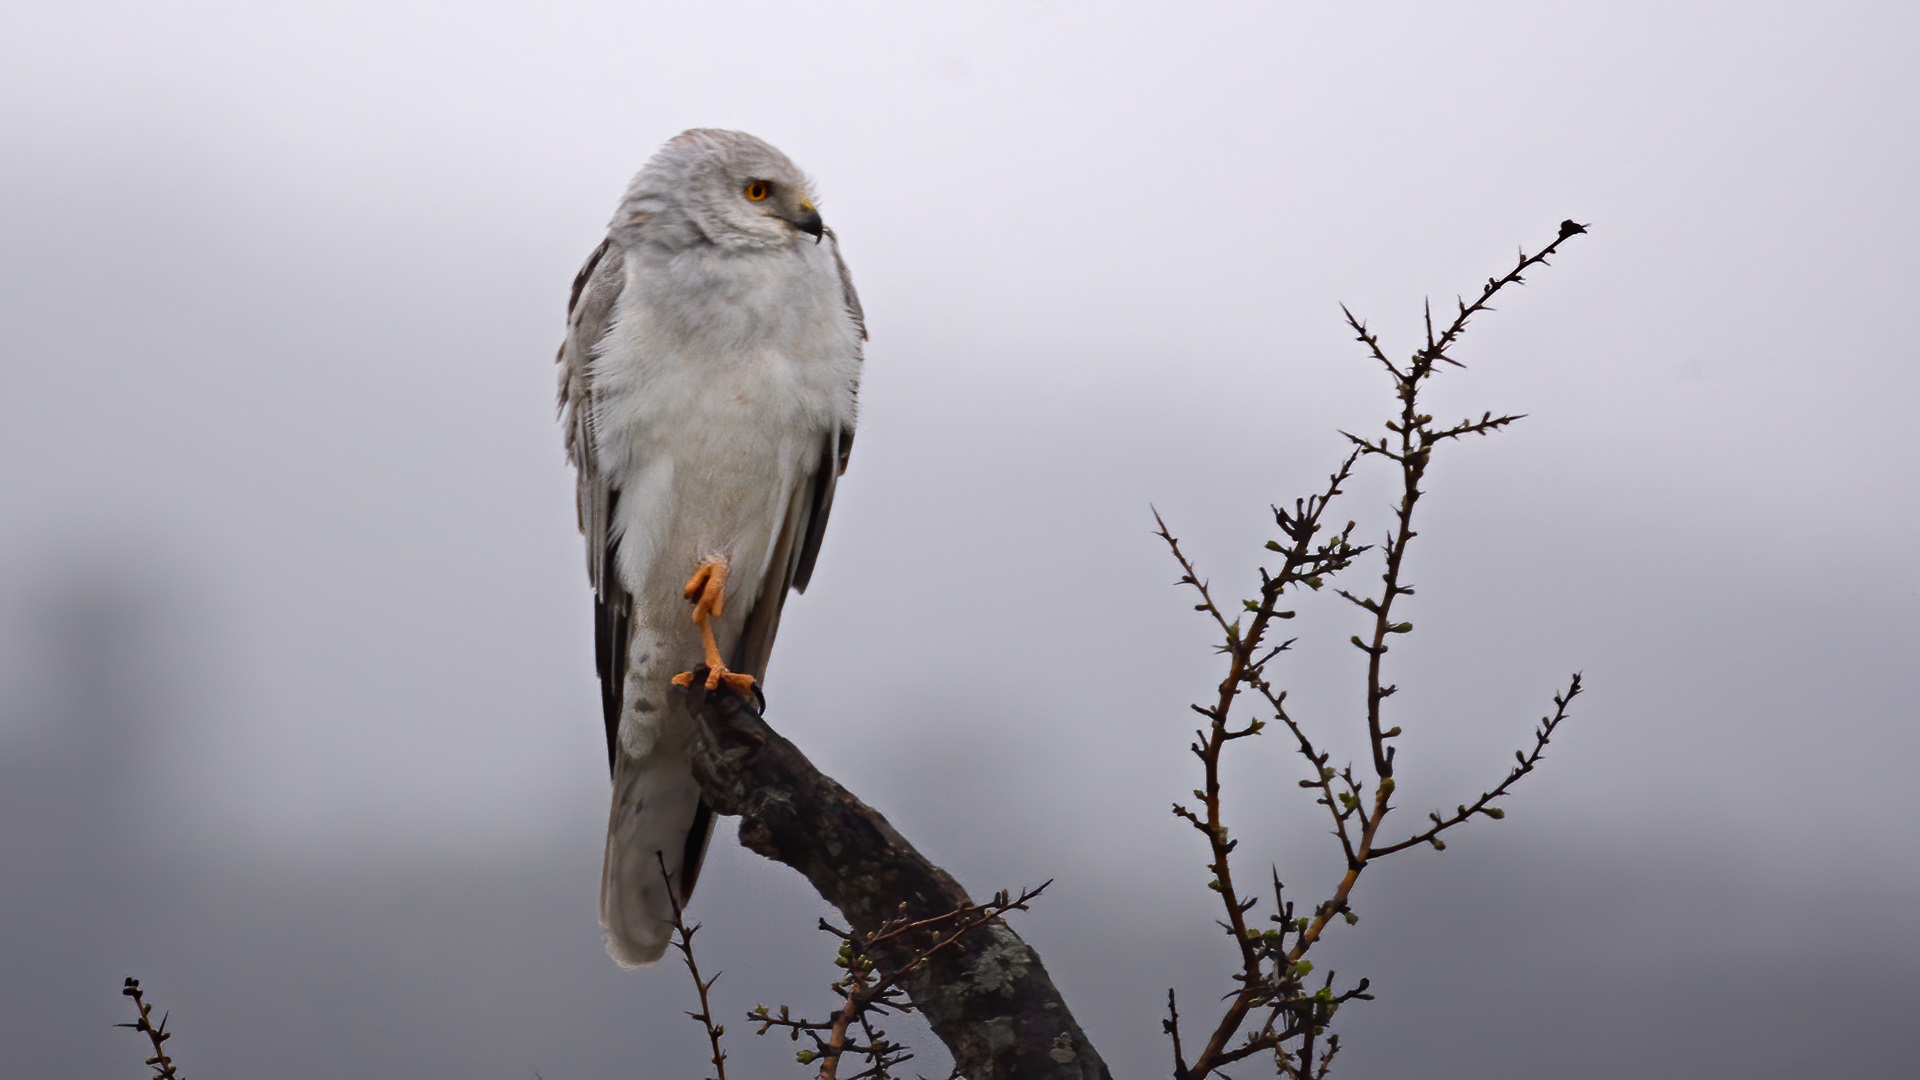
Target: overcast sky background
<point>297,713</point>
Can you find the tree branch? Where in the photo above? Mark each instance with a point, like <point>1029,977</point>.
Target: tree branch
<point>986,995</point>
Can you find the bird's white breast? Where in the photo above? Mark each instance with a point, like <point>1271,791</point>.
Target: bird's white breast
<point>721,377</point>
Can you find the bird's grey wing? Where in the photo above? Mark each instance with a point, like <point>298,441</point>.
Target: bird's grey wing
<point>656,804</point>
<point>595,290</point>
<point>798,545</point>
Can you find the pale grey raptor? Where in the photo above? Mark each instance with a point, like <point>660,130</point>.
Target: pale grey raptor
<point>708,384</point>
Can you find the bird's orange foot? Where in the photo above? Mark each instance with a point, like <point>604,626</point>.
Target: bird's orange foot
<point>707,589</point>
<point>738,683</point>
<point>715,677</point>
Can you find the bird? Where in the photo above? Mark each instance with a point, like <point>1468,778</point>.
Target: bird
<point>709,387</point>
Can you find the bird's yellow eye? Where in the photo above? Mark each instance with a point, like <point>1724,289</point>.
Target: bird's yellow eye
<point>758,190</point>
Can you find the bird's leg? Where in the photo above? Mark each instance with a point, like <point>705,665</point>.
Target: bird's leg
<point>707,589</point>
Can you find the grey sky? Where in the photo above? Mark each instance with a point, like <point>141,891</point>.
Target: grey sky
<point>297,714</point>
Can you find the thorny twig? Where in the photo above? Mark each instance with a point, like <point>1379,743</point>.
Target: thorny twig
<point>157,1034</point>
<point>1272,961</point>
<point>1527,762</point>
<point>683,941</point>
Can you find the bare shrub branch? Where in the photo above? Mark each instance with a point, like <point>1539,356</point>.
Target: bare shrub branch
<point>1270,981</point>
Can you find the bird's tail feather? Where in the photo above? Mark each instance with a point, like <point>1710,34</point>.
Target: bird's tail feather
<point>657,818</point>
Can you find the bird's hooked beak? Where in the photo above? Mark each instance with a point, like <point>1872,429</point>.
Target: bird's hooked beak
<point>808,221</point>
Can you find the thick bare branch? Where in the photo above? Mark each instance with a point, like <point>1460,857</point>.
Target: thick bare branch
<point>987,997</point>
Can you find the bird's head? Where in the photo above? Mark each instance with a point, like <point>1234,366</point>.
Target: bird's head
<point>728,187</point>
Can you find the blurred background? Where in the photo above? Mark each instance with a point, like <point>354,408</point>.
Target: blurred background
<point>298,720</point>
